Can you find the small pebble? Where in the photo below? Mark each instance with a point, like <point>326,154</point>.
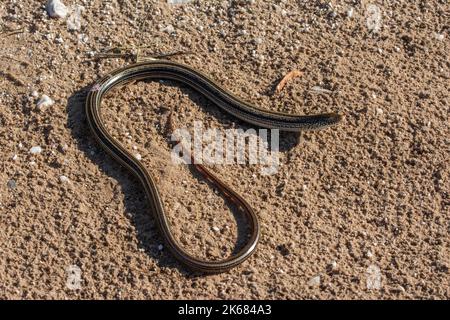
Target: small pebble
<point>56,9</point>
<point>45,101</point>
<point>350,12</point>
<point>374,277</point>
<point>216,229</point>
<point>373,18</point>
<point>83,38</point>
<point>379,111</point>
<point>138,156</point>
<point>283,249</point>
<point>314,281</point>
<point>14,157</point>
<point>160,247</point>
<point>169,29</point>
<point>74,20</point>
<point>12,184</point>
<point>258,41</point>
<point>36,150</point>
<point>439,36</point>
<point>63,179</point>
<point>333,265</point>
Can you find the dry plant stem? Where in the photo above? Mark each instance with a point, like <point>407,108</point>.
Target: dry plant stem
<point>291,75</point>
<point>11,31</point>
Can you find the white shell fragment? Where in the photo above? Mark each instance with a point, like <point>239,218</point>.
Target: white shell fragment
<point>36,150</point>
<point>56,9</point>
<point>63,179</point>
<point>45,101</point>
<point>74,19</point>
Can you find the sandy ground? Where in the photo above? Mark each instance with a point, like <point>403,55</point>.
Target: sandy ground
<point>358,211</point>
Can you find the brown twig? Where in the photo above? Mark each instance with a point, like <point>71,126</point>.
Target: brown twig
<point>11,31</point>
<point>291,75</point>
